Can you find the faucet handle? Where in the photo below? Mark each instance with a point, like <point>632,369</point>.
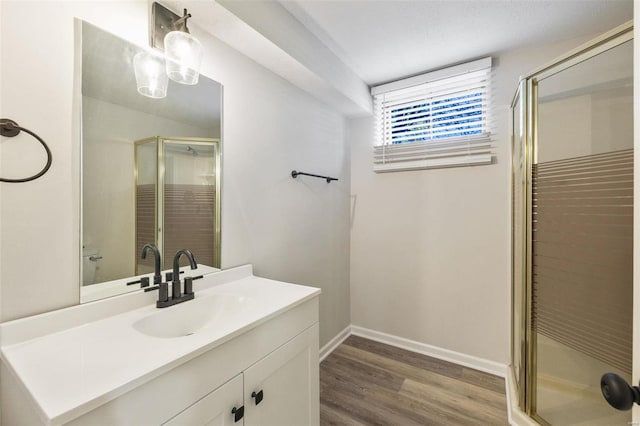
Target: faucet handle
<point>170,275</point>
<point>188,285</point>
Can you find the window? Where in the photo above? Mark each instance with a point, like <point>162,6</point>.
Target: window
<point>438,119</point>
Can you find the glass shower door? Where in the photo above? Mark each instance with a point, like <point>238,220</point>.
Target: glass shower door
<point>188,207</point>
<point>582,237</point>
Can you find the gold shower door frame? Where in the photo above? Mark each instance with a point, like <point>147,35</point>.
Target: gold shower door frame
<point>159,193</point>
<point>518,328</point>
<point>526,97</point>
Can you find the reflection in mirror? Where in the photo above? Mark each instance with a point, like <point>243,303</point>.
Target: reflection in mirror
<point>150,170</point>
<point>175,195</point>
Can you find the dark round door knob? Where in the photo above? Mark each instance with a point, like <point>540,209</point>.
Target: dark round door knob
<point>618,393</point>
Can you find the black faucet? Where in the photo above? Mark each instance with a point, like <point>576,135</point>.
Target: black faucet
<point>163,287</point>
<point>176,271</point>
<point>157,276</point>
<point>176,295</point>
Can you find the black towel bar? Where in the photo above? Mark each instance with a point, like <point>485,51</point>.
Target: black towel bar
<point>294,174</point>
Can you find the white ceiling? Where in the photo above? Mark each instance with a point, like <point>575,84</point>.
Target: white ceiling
<point>383,41</point>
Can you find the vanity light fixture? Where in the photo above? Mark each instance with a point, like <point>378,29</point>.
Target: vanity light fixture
<point>183,52</point>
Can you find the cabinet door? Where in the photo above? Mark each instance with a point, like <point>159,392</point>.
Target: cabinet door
<point>215,409</point>
<point>289,382</point>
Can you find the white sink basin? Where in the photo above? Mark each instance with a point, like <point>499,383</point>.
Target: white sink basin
<point>191,316</point>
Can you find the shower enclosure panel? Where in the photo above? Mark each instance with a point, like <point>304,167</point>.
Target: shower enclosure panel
<point>572,232</point>
<point>177,199</point>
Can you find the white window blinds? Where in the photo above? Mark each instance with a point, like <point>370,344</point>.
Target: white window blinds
<point>438,119</point>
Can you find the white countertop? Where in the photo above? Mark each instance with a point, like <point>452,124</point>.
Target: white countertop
<point>71,371</point>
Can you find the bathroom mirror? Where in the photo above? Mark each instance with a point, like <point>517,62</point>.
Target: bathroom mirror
<point>150,170</point>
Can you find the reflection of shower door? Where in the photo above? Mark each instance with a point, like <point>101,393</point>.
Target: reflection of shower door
<point>581,256</point>
<point>178,199</point>
<point>189,193</point>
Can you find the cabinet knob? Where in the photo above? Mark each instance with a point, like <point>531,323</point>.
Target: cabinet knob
<point>238,413</point>
<point>258,396</point>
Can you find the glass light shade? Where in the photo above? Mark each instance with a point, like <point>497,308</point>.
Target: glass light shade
<point>151,78</point>
<point>184,55</point>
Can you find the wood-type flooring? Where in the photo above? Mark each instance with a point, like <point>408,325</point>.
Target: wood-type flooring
<point>364,382</point>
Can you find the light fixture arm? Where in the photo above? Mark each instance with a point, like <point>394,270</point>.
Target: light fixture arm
<point>181,24</point>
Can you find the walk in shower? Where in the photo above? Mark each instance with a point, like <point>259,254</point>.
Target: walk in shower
<point>177,199</point>
<point>572,232</point>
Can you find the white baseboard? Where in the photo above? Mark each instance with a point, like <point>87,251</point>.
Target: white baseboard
<point>335,342</point>
<point>459,358</point>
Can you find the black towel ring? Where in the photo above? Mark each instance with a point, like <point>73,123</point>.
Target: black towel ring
<point>10,128</point>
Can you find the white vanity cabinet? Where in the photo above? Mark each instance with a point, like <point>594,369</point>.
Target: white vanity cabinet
<point>106,372</point>
<point>279,357</point>
<point>288,380</point>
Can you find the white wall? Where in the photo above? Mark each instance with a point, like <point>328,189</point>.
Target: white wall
<point>295,230</point>
<point>430,257</point>
<point>39,220</point>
